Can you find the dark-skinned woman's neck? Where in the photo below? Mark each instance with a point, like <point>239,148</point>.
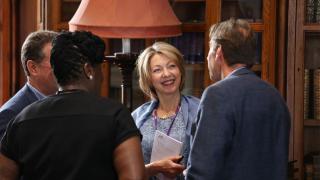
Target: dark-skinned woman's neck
<point>71,89</point>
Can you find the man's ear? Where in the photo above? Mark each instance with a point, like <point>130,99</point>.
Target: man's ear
<point>219,55</point>
<point>32,67</point>
<point>88,71</point>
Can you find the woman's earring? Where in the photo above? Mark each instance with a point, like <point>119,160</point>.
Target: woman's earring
<point>90,77</point>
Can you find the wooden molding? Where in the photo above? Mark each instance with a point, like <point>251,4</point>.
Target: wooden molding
<point>5,55</point>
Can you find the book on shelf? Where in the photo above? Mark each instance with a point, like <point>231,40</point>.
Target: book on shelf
<point>191,46</point>
<point>316,94</point>
<point>306,93</point>
<point>312,11</point>
<point>308,173</point>
<point>311,94</point>
<point>312,165</point>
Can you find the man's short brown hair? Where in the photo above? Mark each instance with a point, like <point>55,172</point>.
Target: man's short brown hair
<point>237,41</point>
<point>32,48</point>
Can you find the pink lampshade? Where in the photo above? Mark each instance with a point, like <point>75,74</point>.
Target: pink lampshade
<point>126,18</point>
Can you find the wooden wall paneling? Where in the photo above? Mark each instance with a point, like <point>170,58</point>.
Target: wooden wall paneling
<point>26,23</point>
<point>5,55</point>
<point>281,49</point>
<point>213,13</point>
<point>290,74</point>
<point>285,52</point>
<point>17,79</point>
<point>295,79</point>
<point>268,49</point>
<point>299,88</point>
<point>53,15</point>
<point>18,20</point>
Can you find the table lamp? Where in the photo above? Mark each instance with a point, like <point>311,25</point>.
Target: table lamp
<point>126,19</point>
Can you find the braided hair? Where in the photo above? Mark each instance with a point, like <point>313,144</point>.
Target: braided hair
<point>71,50</point>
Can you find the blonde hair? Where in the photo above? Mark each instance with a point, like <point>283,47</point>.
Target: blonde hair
<point>144,70</point>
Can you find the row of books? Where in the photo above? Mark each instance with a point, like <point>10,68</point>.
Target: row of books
<point>191,45</point>
<point>312,94</point>
<point>312,166</point>
<point>313,11</point>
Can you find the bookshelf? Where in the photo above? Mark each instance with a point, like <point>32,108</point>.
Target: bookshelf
<point>194,41</point>
<point>303,94</point>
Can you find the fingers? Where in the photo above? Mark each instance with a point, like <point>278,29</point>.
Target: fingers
<point>175,159</point>
<point>171,168</point>
<point>178,160</point>
<point>174,171</point>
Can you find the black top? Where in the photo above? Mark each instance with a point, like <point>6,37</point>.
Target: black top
<point>68,136</point>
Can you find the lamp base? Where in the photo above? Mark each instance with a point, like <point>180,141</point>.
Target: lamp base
<point>126,62</point>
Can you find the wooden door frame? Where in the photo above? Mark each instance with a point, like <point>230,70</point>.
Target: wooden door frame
<point>295,79</point>
<point>8,34</point>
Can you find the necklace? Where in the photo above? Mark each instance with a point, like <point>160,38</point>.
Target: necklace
<point>164,117</point>
<point>155,118</point>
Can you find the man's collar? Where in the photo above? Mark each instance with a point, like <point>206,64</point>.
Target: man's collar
<point>234,71</point>
<point>38,94</point>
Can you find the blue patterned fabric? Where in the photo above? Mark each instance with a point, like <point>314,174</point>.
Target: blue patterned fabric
<point>186,117</point>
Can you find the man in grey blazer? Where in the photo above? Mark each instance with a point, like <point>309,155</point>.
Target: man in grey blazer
<point>35,60</point>
<point>243,123</point>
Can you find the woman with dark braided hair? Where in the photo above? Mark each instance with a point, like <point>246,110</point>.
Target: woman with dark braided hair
<point>74,134</point>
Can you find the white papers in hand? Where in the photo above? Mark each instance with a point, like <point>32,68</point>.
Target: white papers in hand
<point>164,146</point>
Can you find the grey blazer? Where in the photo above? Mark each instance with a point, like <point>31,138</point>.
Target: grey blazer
<point>242,133</point>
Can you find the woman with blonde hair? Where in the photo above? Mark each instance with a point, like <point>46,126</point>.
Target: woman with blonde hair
<point>161,77</point>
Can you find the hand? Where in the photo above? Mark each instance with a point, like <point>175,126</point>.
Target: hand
<point>169,167</point>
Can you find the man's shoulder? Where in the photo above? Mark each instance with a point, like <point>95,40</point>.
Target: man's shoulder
<point>243,86</point>
<point>14,106</point>
<point>20,100</point>
<point>219,87</point>
<point>245,80</point>
<point>236,85</point>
